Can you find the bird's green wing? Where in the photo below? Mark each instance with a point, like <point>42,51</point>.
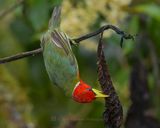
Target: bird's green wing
<point>60,61</point>
<point>62,41</point>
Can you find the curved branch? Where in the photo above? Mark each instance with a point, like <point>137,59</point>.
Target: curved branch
<point>100,30</point>
<point>77,40</point>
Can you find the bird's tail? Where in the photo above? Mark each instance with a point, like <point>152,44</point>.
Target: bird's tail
<point>55,19</point>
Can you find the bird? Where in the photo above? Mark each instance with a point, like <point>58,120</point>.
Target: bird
<point>61,63</point>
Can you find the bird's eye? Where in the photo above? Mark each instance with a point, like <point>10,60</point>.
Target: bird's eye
<point>89,89</point>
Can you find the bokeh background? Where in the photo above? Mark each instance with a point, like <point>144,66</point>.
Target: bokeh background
<point>27,97</point>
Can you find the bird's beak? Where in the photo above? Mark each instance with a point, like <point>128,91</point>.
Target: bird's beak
<point>99,93</point>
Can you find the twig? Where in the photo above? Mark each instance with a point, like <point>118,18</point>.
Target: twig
<point>77,40</point>
<point>10,9</point>
<point>20,55</point>
<point>103,28</point>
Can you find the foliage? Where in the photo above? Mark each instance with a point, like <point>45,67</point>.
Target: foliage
<point>27,97</point>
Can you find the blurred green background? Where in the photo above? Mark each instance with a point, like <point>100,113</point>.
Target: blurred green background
<point>27,97</point>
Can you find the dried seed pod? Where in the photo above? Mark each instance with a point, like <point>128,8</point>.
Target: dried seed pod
<point>113,114</point>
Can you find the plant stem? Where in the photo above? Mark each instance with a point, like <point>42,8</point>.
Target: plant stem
<point>77,40</point>
<point>20,55</point>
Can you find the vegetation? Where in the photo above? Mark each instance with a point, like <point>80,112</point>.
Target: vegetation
<point>27,97</point>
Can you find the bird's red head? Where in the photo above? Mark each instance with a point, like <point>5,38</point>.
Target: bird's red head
<point>84,93</point>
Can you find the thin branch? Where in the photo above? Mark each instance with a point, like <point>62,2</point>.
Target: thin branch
<point>20,55</point>
<point>103,28</point>
<point>77,40</point>
<point>10,9</point>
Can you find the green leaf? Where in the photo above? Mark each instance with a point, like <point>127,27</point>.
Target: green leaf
<point>56,2</point>
<point>38,13</point>
<point>152,10</point>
